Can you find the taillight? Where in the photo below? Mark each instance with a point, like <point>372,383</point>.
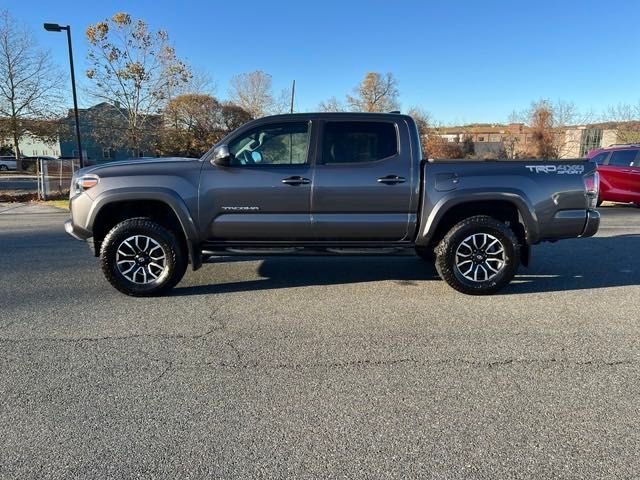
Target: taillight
<point>592,189</point>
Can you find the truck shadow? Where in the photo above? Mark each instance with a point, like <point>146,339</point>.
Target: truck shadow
<point>579,264</point>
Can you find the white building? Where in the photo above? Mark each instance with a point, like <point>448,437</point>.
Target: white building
<point>31,146</point>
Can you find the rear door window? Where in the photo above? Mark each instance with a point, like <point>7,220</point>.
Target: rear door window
<point>358,142</point>
<point>623,158</point>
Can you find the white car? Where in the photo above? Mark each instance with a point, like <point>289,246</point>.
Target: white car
<point>7,163</point>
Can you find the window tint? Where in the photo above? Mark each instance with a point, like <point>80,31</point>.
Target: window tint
<point>599,159</point>
<point>623,157</point>
<point>282,144</point>
<point>355,142</point>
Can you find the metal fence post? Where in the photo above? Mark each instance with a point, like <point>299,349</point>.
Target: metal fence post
<point>40,174</point>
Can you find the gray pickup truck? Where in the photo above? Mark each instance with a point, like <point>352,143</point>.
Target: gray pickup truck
<point>331,184</point>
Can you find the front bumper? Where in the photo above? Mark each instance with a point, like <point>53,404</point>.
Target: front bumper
<point>592,224</point>
<point>75,231</point>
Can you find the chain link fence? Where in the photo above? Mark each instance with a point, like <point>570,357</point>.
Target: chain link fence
<point>54,176</point>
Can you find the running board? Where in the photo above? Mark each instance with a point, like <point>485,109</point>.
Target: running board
<point>334,251</point>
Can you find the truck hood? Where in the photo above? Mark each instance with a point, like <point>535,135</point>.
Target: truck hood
<point>140,162</point>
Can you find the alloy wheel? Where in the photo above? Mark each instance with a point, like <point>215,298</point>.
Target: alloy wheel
<point>480,257</point>
<point>140,259</point>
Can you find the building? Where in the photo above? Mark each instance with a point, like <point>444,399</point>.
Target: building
<point>33,146</point>
<point>516,139</point>
<point>103,131</point>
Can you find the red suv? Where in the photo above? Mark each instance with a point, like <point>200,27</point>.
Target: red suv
<point>619,167</point>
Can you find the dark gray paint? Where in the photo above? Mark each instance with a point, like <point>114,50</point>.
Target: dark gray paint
<point>342,204</point>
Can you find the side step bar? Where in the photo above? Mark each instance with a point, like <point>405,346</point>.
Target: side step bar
<point>299,250</point>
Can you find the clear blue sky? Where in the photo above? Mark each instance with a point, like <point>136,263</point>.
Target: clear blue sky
<point>464,61</point>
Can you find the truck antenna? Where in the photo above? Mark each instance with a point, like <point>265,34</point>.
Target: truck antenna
<point>293,94</point>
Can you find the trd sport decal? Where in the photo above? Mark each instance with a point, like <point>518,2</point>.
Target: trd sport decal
<point>558,169</point>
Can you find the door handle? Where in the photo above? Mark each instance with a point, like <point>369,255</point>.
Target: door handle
<point>391,179</point>
<point>296,180</point>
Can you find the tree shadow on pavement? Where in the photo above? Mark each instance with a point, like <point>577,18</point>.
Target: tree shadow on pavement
<point>577,264</point>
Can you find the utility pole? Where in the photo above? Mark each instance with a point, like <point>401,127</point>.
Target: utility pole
<point>54,27</point>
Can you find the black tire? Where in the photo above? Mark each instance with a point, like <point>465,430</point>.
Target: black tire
<point>599,202</point>
<point>175,259</point>
<point>426,254</point>
<point>446,256</point>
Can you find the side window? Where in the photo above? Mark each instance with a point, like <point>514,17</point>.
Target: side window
<point>600,158</point>
<point>623,157</point>
<point>276,144</point>
<point>356,142</point>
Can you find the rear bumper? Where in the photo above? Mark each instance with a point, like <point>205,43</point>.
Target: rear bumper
<point>592,224</point>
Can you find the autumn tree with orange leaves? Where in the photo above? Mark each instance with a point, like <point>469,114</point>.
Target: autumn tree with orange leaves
<point>134,69</point>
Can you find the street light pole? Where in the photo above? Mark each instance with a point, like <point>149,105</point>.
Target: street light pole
<point>54,27</point>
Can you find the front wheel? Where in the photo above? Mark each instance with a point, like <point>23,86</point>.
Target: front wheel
<point>478,256</point>
<point>142,258</point>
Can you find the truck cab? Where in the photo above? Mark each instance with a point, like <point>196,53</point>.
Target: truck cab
<point>313,178</point>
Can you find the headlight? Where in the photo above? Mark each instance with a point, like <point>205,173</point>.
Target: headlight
<point>84,182</point>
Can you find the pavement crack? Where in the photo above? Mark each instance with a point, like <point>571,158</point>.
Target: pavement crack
<point>235,349</point>
<point>368,363</point>
<point>162,336</point>
<point>164,372</point>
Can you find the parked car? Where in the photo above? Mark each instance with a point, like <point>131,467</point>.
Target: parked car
<point>619,167</point>
<point>8,163</point>
<point>327,183</point>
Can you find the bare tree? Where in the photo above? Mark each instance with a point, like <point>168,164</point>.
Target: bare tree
<point>625,119</point>
<point>30,85</point>
<point>199,82</point>
<point>331,105</point>
<point>134,69</point>
<point>253,92</point>
<point>510,141</point>
<point>422,118</point>
<point>434,144</point>
<point>375,93</point>
<point>549,124</point>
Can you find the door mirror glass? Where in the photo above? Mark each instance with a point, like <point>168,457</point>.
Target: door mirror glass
<point>221,156</point>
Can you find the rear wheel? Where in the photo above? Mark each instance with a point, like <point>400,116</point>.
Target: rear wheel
<point>478,256</point>
<point>142,258</point>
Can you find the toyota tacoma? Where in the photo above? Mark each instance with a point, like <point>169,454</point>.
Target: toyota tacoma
<point>327,184</point>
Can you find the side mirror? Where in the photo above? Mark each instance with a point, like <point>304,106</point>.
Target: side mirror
<point>221,156</point>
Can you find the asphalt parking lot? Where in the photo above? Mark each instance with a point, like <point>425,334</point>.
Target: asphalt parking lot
<point>319,367</point>
<point>18,182</point>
